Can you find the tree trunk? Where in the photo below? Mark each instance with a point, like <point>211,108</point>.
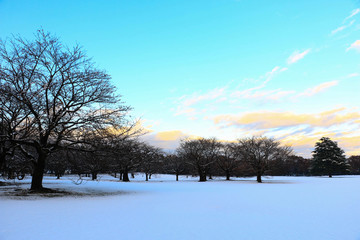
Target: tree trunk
<point>150,176</point>
<point>330,175</point>
<point>126,175</point>
<point>10,173</point>
<point>258,177</point>
<point>202,174</point>
<point>2,159</point>
<point>146,177</point>
<point>177,177</point>
<point>227,175</point>
<point>38,173</point>
<point>202,178</point>
<point>121,176</point>
<point>93,176</point>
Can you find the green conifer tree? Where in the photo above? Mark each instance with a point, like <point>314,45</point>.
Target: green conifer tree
<point>328,158</point>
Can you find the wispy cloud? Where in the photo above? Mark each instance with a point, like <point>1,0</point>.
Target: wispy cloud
<point>351,75</point>
<point>196,104</point>
<point>341,28</point>
<point>297,55</point>
<point>353,13</point>
<point>185,110</point>
<point>212,94</point>
<point>266,94</point>
<point>247,93</point>
<point>317,89</point>
<point>355,46</point>
<point>185,103</point>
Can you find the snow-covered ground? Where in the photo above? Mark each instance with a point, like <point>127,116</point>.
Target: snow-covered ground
<point>280,208</point>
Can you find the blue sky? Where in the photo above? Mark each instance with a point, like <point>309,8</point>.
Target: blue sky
<point>225,69</point>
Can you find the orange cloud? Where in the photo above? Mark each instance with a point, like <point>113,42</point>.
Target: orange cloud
<point>168,140</point>
<point>319,88</point>
<point>355,46</point>
<point>265,120</point>
<point>305,144</point>
<point>169,135</point>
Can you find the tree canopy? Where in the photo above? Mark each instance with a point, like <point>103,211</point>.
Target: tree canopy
<point>52,96</point>
<point>328,158</point>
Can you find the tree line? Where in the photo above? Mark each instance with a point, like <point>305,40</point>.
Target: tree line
<point>60,114</point>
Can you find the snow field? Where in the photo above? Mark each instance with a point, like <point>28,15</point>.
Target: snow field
<point>280,208</point>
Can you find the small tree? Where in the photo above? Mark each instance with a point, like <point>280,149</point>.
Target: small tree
<point>151,160</point>
<point>328,158</point>
<point>175,164</point>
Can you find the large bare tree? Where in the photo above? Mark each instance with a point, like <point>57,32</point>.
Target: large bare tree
<point>59,94</point>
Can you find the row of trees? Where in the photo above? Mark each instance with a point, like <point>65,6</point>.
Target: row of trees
<point>261,155</point>
<point>201,157</point>
<point>115,157</point>
<point>59,113</point>
<point>256,156</point>
<point>256,153</point>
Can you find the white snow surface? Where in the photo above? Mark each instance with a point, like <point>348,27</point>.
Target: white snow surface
<point>280,208</point>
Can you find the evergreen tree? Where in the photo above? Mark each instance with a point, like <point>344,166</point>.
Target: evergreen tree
<point>328,158</point>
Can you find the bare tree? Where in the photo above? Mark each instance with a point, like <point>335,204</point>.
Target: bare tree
<point>151,160</point>
<point>12,116</point>
<point>60,93</point>
<point>127,156</point>
<point>259,151</point>
<point>354,162</point>
<point>229,160</point>
<point>175,164</point>
<point>57,163</point>
<point>200,154</point>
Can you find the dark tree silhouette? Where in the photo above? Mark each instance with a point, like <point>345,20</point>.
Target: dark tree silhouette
<point>151,160</point>
<point>354,162</point>
<point>201,154</point>
<point>127,156</point>
<point>260,151</point>
<point>175,164</point>
<point>58,91</point>
<point>328,158</point>
<point>229,160</point>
